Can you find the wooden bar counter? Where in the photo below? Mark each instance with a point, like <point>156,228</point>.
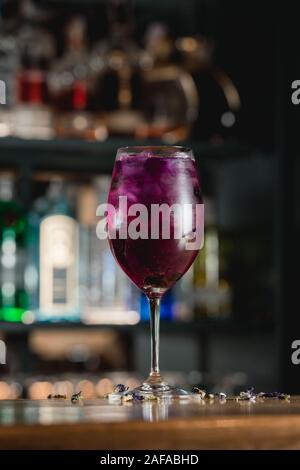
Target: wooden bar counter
<point>184,424</point>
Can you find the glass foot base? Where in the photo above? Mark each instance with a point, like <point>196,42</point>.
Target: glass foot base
<point>161,390</point>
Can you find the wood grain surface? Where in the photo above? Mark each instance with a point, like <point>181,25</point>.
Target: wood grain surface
<point>96,424</point>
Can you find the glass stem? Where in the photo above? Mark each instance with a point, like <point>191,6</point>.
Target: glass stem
<point>154,303</point>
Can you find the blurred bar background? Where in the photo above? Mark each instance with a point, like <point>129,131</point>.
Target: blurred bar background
<point>80,78</point>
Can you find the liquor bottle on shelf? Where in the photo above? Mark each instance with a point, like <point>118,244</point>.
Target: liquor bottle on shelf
<point>9,62</point>
<point>219,99</point>
<point>115,64</point>
<point>56,236</point>
<point>70,88</point>
<point>104,288</point>
<point>212,291</point>
<point>13,238</point>
<point>32,117</point>
<point>170,98</point>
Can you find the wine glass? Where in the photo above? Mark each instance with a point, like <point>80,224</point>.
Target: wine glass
<point>155,229</point>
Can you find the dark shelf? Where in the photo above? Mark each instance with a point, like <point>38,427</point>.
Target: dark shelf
<point>205,326</point>
<point>155,3</point>
<point>80,155</point>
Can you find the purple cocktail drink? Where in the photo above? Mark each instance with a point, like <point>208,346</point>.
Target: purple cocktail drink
<point>154,263</point>
<point>161,188</point>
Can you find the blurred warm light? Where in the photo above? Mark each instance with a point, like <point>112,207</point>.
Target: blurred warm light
<point>80,123</point>
<point>40,390</point>
<point>64,387</point>
<point>10,391</point>
<point>101,133</point>
<point>132,383</point>
<point>5,391</point>
<point>87,388</point>
<point>104,386</point>
<point>15,390</point>
<point>58,344</point>
<point>187,44</point>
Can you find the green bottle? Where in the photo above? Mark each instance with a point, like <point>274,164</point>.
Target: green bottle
<point>13,235</point>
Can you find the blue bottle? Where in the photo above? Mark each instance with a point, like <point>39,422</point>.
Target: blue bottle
<point>167,307</point>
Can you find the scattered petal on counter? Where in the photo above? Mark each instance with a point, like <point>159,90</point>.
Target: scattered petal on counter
<point>76,397</point>
<point>250,395</point>
<point>127,397</point>
<point>151,398</point>
<point>137,396</point>
<point>120,388</point>
<point>198,391</point>
<point>57,397</point>
<point>279,395</point>
<point>222,396</point>
<point>121,394</point>
<point>247,394</point>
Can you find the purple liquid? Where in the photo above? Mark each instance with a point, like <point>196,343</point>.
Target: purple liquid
<point>147,179</point>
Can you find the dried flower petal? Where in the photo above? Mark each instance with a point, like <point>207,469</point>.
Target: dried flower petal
<point>150,397</point>
<point>76,397</point>
<point>247,394</point>
<point>284,396</point>
<point>198,391</point>
<point>120,388</point>
<point>250,394</point>
<point>269,394</point>
<point>137,396</point>
<point>222,396</point>
<point>127,397</point>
